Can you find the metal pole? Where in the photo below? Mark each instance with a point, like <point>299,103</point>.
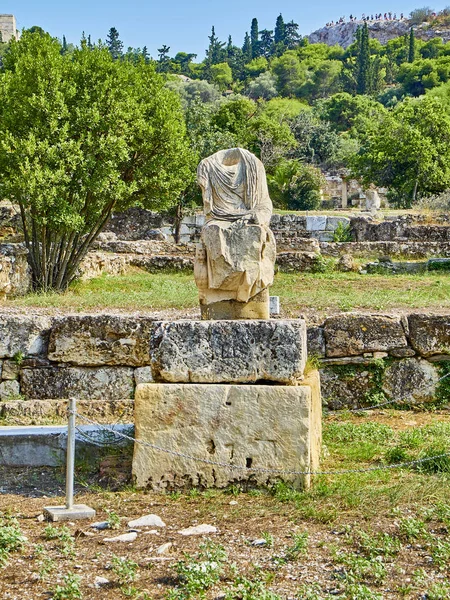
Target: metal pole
<point>70,457</point>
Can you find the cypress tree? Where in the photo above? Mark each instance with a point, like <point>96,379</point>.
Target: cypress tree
<point>363,62</point>
<point>247,48</point>
<point>254,37</point>
<point>412,46</point>
<point>280,30</point>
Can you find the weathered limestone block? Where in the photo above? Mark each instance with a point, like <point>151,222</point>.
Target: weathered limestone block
<point>15,273</point>
<point>9,390</point>
<point>10,370</point>
<point>430,334</point>
<point>333,222</point>
<point>411,380</point>
<point>289,262</point>
<point>25,334</point>
<point>106,383</point>
<point>97,263</point>
<point>316,223</point>
<point>267,427</point>
<point>353,334</point>
<point>228,351</point>
<point>315,341</point>
<point>350,389</point>
<point>33,411</point>
<point>96,340</point>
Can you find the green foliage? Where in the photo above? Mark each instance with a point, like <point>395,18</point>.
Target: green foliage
<point>66,542</point>
<point>198,574</point>
<point>78,140</point>
<point>342,233</point>
<point>351,432</point>
<point>443,386</point>
<point>408,151</point>
<point>70,590</point>
<point>113,520</point>
<point>295,185</point>
<point>420,15</point>
<point>247,589</point>
<point>11,539</point>
<point>126,572</point>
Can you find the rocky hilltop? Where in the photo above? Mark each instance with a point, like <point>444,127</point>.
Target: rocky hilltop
<point>344,33</point>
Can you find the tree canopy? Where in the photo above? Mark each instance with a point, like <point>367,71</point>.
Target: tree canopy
<point>82,136</point>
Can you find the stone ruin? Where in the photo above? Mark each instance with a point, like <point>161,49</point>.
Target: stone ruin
<point>230,390</point>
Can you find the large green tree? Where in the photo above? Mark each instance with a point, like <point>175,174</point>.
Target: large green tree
<point>408,151</point>
<point>80,137</point>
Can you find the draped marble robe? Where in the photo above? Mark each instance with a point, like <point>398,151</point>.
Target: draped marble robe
<point>236,257</point>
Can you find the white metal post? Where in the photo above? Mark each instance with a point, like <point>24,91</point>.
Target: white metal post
<point>70,457</point>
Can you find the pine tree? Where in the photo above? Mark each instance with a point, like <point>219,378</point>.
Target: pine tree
<point>113,43</point>
<point>266,43</point>
<point>363,61</point>
<point>292,37</point>
<point>89,43</point>
<point>163,59</point>
<point>280,30</point>
<point>254,37</point>
<point>247,48</point>
<point>412,46</point>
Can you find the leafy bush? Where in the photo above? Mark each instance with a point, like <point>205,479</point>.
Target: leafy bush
<point>296,186</point>
<point>421,15</point>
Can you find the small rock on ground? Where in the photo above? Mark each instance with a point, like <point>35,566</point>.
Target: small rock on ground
<point>125,537</point>
<point>199,530</point>
<point>147,521</point>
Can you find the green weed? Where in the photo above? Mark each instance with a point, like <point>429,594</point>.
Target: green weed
<point>70,590</point>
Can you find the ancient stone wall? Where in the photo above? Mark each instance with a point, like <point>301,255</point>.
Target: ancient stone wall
<point>101,358</point>
<point>371,359</point>
<point>8,28</point>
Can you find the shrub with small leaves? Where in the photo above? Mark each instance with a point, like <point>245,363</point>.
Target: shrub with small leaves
<point>11,539</point>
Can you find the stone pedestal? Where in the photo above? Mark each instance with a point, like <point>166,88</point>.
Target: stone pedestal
<point>256,308</point>
<point>271,428</point>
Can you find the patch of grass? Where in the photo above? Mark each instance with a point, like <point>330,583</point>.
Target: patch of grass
<point>325,290</point>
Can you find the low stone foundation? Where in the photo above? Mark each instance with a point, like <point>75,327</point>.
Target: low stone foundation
<point>272,428</point>
<point>101,358</point>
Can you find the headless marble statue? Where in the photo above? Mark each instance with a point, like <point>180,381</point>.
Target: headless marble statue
<point>235,259</point>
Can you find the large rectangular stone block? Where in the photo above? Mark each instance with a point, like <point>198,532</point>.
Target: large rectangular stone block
<point>430,334</point>
<point>97,340</point>
<point>105,383</point>
<point>264,427</point>
<point>228,351</point>
<point>353,334</point>
<point>23,334</point>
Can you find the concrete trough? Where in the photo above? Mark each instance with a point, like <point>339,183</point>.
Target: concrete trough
<point>45,445</point>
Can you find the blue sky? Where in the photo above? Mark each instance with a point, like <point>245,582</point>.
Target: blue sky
<point>184,25</point>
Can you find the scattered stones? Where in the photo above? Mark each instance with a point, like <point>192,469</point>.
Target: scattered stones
<point>125,537</point>
<point>259,542</point>
<point>203,529</point>
<point>164,549</point>
<point>147,521</point>
<point>100,581</point>
<point>346,263</point>
<point>100,525</point>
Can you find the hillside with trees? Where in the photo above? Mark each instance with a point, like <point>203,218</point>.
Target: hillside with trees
<point>380,113</point>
